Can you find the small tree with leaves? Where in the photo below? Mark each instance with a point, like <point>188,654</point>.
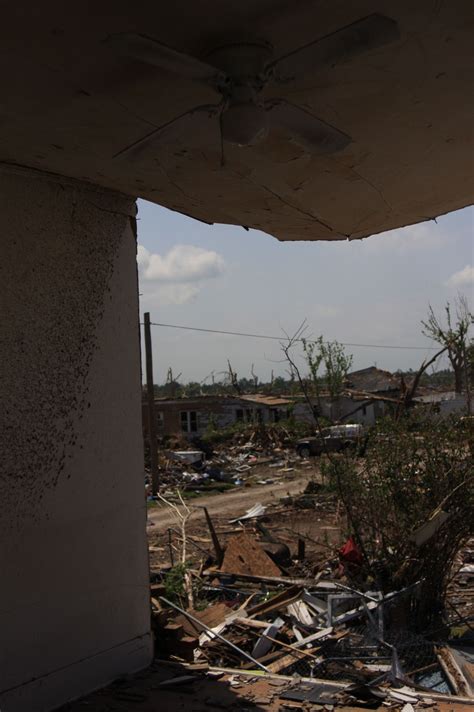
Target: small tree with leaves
<point>332,358</point>
<point>410,506</point>
<point>454,335</point>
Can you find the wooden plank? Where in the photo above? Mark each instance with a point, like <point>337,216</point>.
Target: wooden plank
<point>300,611</point>
<point>211,616</point>
<point>452,671</point>
<point>279,601</point>
<point>250,623</point>
<point>282,663</point>
<point>215,540</point>
<point>296,653</point>
<point>462,656</point>
<point>326,632</point>
<point>268,658</point>
<point>312,583</point>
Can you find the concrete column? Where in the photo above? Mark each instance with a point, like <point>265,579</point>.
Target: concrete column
<point>74,604</point>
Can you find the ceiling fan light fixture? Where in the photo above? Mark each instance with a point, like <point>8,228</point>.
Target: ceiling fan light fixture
<point>244,124</point>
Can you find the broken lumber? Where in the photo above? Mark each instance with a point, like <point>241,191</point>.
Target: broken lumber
<point>281,600</point>
<point>286,581</point>
<point>282,663</point>
<point>320,635</point>
<point>214,634</point>
<point>294,650</point>
<point>250,622</point>
<point>453,672</point>
<point>215,540</point>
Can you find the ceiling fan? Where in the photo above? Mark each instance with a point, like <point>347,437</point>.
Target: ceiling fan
<point>240,71</point>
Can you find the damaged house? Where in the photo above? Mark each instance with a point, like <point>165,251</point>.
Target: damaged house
<point>366,396</point>
<point>444,403</point>
<point>192,417</point>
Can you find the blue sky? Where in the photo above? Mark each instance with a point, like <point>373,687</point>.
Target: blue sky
<point>374,291</point>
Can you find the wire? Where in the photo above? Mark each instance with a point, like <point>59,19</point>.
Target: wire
<point>282,338</point>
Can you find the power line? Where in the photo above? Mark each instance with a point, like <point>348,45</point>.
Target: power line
<point>282,338</point>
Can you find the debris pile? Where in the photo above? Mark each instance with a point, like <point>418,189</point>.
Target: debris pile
<point>337,642</point>
<point>359,591</point>
<point>260,454</point>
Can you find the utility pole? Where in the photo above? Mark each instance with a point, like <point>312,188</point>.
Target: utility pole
<point>150,391</point>
<point>467,372</point>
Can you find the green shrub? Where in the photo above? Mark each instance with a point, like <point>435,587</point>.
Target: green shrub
<point>412,467</point>
<point>174,583</point>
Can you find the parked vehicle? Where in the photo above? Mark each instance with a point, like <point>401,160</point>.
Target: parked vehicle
<point>333,439</point>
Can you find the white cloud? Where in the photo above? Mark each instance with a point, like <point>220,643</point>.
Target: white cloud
<point>177,276</point>
<point>177,293</point>
<point>462,277</point>
<point>183,263</point>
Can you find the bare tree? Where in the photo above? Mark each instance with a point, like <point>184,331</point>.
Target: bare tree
<point>172,382</point>
<point>234,382</point>
<point>181,515</point>
<point>408,393</point>
<point>255,379</point>
<point>453,334</point>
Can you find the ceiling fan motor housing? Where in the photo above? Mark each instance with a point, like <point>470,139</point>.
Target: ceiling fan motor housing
<point>243,61</point>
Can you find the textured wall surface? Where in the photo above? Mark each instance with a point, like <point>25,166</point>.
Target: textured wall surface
<point>74,588</point>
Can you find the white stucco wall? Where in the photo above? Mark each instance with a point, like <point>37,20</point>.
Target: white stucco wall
<point>74,610</point>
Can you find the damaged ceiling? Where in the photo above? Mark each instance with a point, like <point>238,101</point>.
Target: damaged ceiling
<point>70,104</point>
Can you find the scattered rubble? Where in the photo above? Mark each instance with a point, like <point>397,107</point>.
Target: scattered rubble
<point>335,643</point>
<point>319,596</point>
<point>253,451</point>
<point>305,638</point>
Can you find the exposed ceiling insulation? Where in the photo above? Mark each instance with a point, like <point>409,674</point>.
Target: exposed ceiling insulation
<point>70,104</point>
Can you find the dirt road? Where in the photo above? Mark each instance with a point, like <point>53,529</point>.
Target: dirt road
<point>232,503</point>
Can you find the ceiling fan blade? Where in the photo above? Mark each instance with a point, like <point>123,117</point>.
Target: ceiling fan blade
<point>148,50</point>
<point>172,128</point>
<point>312,133</point>
<point>340,46</point>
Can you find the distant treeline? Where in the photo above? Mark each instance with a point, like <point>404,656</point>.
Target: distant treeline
<point>442,380</point>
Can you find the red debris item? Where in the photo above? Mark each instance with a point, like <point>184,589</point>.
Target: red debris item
<point>350,553</point>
